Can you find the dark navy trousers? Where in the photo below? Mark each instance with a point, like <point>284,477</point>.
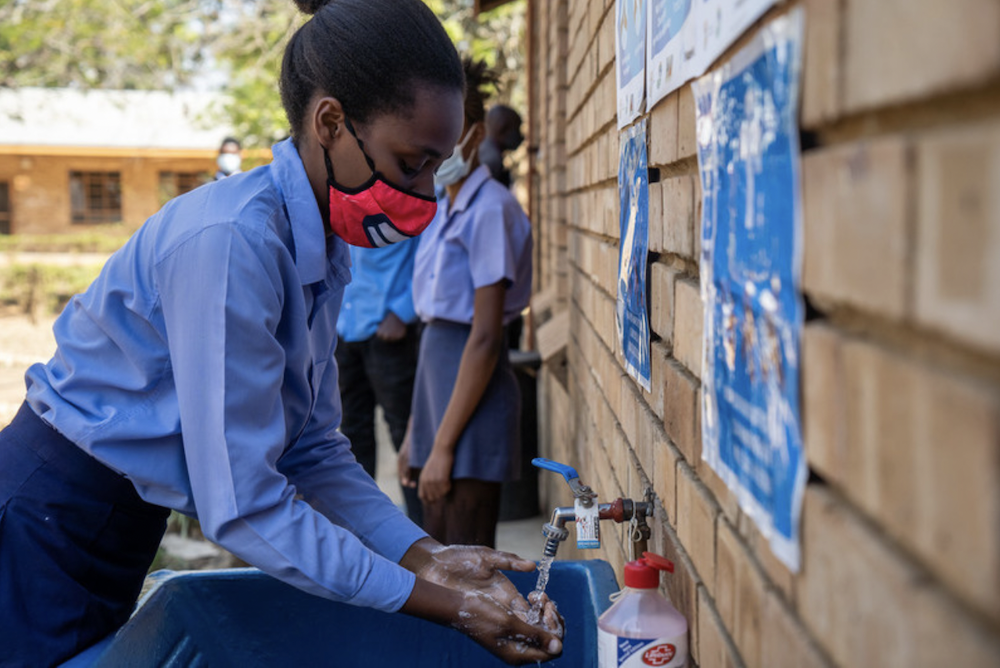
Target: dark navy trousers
<point>76,541</point>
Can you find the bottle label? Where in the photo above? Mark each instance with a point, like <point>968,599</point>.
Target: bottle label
<point>588,525</point>
<point>617,652</point>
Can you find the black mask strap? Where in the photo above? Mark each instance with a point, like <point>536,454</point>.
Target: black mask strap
<point>361,144</point>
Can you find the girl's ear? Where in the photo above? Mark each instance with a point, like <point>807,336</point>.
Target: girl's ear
<point>328,121</point>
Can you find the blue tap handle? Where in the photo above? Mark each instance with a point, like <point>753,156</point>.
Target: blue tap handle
<point>568,472</point>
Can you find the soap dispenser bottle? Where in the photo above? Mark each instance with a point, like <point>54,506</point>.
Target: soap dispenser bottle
<point>642,628</point>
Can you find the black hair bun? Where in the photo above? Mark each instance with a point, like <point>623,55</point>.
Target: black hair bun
<point>311,6</point>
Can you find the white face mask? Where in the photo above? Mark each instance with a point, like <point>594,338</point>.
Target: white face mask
<point>455,167</point>
<point>229,163</point>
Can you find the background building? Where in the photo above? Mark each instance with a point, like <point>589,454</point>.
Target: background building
<point>73,160</point>
<point>901,352</point>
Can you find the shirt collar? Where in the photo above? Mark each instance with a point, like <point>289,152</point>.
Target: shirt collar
<point>469,189</point>
<point>314,251</point>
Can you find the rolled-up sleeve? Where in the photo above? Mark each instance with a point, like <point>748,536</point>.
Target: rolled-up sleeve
<point>221,312</point>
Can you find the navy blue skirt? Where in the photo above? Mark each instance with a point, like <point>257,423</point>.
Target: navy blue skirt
<point>489,448</point>
<point>76,541</point>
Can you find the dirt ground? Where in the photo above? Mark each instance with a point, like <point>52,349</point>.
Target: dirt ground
<point>22,343</point>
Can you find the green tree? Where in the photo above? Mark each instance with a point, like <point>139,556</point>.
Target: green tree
<point>252,47</point>
<point>117,44</point>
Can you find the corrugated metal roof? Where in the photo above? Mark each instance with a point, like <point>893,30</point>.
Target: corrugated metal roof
<point>111,118</point>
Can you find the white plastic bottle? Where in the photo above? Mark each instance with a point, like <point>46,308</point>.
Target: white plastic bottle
<point>642,628</point>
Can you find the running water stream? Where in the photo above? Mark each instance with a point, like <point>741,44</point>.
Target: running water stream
<point>535,615</point>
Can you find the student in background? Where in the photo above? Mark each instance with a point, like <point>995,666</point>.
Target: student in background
<point>472,278</point>
<point>503,134</point>
<point>377,351</point>
<point>230,158</point>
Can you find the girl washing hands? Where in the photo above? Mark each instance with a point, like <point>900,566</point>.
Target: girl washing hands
<point>197,371</point>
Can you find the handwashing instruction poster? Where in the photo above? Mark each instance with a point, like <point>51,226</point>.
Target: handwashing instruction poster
<point>630,59</point>
<point>631,315</point>
<point>686,36</point>
<point>748,157</point>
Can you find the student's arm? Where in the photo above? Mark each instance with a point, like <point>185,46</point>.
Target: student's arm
<point>479,359</point>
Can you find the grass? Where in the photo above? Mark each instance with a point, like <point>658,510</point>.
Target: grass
<point>106,240</point>
<point>31,286</point>
<point>40,289</point>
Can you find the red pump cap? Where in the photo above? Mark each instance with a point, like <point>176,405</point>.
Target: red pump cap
<point>645,573</point>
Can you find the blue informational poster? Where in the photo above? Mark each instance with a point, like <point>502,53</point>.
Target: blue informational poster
<point>748,155</point>
<point>669,22</point>
<point>631,315</point>
<point>630,59</point>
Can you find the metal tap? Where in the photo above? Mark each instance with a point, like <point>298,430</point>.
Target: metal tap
<point>621,510</point>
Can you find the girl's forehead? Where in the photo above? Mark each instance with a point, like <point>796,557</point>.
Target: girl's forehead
<point>434,122</point>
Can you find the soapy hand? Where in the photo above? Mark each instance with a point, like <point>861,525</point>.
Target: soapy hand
<point>492,612</point>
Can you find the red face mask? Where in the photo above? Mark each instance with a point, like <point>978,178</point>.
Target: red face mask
<point>376,213</point>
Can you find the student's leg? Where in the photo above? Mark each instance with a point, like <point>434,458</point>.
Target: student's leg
<point>467,515</point>
<point>358,401</point>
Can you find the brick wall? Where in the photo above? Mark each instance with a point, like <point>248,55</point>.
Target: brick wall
<point>901,352</point>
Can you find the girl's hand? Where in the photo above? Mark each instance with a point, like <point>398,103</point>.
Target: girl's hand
<point>403,469</point>
<point>391,328</point>
<point>505,633</point>
<point>435,476</point>
<point>491,611</point>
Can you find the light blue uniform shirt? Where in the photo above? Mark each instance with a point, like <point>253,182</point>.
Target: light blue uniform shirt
<point>483,239</point>
<point>382,281</point>
<point>200,365</point>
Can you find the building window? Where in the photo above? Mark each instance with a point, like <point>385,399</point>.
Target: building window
<point>95,197</point>
<point>4,208</point>
<point>173,184</point>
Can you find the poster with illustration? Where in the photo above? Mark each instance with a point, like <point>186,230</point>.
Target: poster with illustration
<point>630,59</point>
<point>748,158</point>
<point>719,24</point>
<point>666,24</point>
<point>631,314</point>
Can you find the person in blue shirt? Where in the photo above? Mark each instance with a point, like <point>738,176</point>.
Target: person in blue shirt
<point>472,278</point>
<point>377,351</point>
<point>197,372</point>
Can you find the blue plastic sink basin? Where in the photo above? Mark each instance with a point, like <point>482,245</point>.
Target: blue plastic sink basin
<point>244,618</point>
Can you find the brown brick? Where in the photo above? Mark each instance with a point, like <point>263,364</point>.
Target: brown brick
<point>678,216</point>
<point>784,642</point>
<point>739,591</point>
<point>657,221</point>
<point>658,358</point>
<point>723,496</point>
<point>821,63</point>
<point>682,584</point>
<point>665,478</point>
<point>958,242</point>
<point>823,395</point>
<point>956,43</point>
<point>687,140</point>
<point>923,449</point>
<point>689,321</point>
<point>854,203</point>
<point>681,410</point>
<point>663,131</point>
<point>714,647</point>
<point>696,514</point>
<point>661,297</point>
<point>868,606</point>
<point>776,572</point>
